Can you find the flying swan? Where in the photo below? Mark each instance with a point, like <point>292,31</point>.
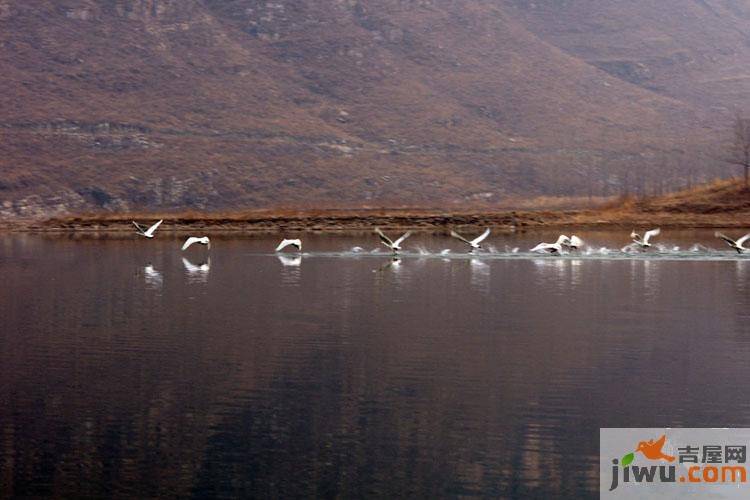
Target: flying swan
<point>555,247</point>
<point>475,243</point>
<point>285,243</point>
<point>395,246</point>
<point>737,245</point>
<point>148,233</point>
<point>644,242</point>
<point>194,239</point>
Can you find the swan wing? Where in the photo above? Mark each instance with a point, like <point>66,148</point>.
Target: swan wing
<point>385,239</point>
<point>459,237</point>
<point>402,238</point>
<point>543,247</point>
<point>724,237</point>
<point>140,228</point>
<point>480,238</point>
<point>189,242</point>
<point>151,230</point>
<point>283,244</point>
<point>743,240</point>
<point>649,234</point>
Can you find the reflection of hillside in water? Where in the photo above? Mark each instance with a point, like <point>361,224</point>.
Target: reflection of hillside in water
<point>441,377</point>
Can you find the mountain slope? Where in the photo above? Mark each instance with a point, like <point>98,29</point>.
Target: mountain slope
<point>208,104</point>
<point>693,50</point>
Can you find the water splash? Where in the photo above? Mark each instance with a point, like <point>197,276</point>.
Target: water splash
<point>422,250</point>
<point>699,248</point>
<point>597,251</point>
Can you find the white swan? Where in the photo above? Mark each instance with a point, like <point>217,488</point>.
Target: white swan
<point>556,247</point>
<point>148,233</point>
<point>395,246</point>
<point>475,243</point>
<point>285,243</point>
<point>738,245</point>
<point>644,242</point>
<point>194,239</point>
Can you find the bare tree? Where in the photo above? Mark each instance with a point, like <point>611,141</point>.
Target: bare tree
<point>741,147</point>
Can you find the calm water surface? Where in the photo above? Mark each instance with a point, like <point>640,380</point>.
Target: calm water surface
<point>126,371</point>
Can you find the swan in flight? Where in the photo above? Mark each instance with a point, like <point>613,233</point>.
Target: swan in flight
<point>194,239</point>
<point>475,243</point>
<point>395,246</point>
<point>148,233</point>
<point>285,243</point>
<point>737,245</point>
<point>644,242</point>
<point>555,247</point>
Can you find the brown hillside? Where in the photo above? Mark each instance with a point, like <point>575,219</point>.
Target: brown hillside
<point>723,203</point>
<point>213,105</point>
<point>693,50</point>
<point>726,197</point>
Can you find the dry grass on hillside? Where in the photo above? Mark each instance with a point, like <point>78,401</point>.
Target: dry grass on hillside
<point>721,196</point>
<point>723,203</point>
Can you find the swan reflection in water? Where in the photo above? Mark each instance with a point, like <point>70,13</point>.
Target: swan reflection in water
<point>291,270</point>
<point>480,274</point>
<point>152,276</point>
<point>290,261</point>
<point>197,272</point>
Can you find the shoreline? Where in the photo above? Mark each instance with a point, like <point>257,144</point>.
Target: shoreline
<point>366,220</point>
<point>718,204</point>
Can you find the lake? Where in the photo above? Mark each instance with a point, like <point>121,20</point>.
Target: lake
<point>127,371</point>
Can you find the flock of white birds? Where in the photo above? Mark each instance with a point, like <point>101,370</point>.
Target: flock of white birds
<point>563,244</point>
